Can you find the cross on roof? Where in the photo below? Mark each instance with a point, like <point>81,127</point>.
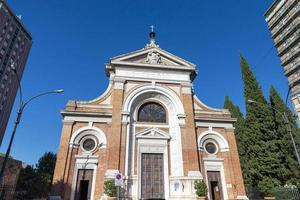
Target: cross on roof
<point>152,28</point>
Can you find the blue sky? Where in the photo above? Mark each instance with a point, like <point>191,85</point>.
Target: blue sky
<point>73,39</point>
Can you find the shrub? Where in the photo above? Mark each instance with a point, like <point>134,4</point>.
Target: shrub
<point>201,188</point>
<point>109,188</point>
<point>267,186</point>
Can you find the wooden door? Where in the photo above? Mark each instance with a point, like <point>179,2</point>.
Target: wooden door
<point>152,180</point>
<point>84,184</point>
<point>215,185</point>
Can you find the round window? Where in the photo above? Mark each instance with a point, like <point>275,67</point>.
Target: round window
<point>211,148</point>
<point>88,144</point>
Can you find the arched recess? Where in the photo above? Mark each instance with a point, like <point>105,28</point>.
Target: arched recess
<point>89,130</point>
<point>222,142</point>
<point>176,118</point>
<point>151,88</point>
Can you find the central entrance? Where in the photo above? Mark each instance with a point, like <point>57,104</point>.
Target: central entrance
<point>215,186</point>
<point>152,182</point>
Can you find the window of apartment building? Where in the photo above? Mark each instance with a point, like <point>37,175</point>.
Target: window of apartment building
<point>2,52</point>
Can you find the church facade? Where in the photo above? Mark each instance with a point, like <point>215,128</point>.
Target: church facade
<point>151,127</point>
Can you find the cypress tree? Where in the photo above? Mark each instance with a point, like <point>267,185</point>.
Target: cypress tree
<point>239,130</point>
<point>290,167</point>
<point>260,148</point>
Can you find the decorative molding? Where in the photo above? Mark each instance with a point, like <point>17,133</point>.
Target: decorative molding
<point>186,90</point>
<point>153,57</point>
<point>216,164</point>
<point>222,142</point>
<point>100,97</point>
<point>173,58</point>
<point>87,130</point>
<point>159,74</point>
<point>158,89</point>
<point>89,162</point>
<point>72,119</point>
<point>153,133</point>
<point>83,114</point>
<point>210,108</point>
<point>242,197</point>
<point>215,124</point>
<point>206,119</point>
<point>119,85</point>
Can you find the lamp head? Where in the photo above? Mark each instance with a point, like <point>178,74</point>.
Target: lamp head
<point>59,91</point>
<point>251,101</point>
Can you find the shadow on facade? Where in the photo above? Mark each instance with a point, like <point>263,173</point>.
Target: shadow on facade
<point>59,190</point>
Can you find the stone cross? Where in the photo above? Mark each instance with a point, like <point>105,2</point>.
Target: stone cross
<point>152,28</point>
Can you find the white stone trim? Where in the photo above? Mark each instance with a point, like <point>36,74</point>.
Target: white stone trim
<point>152,74</point>
<point>148,80</point>
<point>171,101</point>
<point>80,133</point>
<point>141,124</point>
<point>100,97</point>
<point>119,85</point>
<point>88,119</point>
<point>215,164</point>
<point>210,134</point>
<point>84,162</point>
<point>214,124</point>
<point>209,108</point>
<point>153,133</point>
<point>163,53</point>
<point>158,89</point>
<point>239,197</point>
<point>186,90</point>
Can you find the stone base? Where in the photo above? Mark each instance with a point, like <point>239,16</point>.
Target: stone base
<point>54,198</point>
<point>242,198</point>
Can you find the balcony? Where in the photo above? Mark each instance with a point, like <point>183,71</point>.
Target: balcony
<point>293,52</point>
<point>293,26</point>
<point>281,12</point>
<point>285,21</point>
<point>292,40</point>
<point>294,80</point>
<point>290,68</point>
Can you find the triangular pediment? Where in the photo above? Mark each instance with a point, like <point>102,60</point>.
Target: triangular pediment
<point>153,133</point>
<point>152,56</point>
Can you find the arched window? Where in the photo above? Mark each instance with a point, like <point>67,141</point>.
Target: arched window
<point>152,112</point>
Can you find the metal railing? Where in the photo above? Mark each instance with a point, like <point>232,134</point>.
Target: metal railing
<point>285,193</point>
<point>280,193</point>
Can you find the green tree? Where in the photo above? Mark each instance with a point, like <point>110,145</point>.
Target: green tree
<point>260,148</point>
<point>290,167</point>
<point>239,130</point>
<point>36,182</point>
<point>25,182</point>
<point>45,167</point>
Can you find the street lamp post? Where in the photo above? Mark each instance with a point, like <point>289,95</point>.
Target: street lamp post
<point>287,125</point>
<point>22,105</point>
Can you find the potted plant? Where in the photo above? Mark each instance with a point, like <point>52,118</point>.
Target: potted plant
<point>201,189</point>
<point>267,187</point>
<point>110,189</point>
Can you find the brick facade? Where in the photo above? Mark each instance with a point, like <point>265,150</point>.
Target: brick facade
<point>110,120</point>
